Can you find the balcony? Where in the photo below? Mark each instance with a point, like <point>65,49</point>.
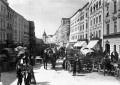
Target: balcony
<point>112,35</point>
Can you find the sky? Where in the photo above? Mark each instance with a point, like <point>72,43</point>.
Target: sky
<point>46,14</point>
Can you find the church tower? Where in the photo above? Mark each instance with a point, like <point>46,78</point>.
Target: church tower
<point>44,37</point>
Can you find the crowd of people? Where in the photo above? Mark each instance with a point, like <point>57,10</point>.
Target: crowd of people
<point>24,68</point>
<point>50,55</point>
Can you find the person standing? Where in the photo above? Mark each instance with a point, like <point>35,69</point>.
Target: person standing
<point>116,56</point>
<point>74,68</point>
<point>74,65</point>
<point>19,75</point>
<point>45,59</point>
<point>112,57</point>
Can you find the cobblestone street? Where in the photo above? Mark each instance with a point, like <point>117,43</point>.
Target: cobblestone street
<point>61,77</point>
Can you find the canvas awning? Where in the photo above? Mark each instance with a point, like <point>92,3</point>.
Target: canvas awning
<point>92,44</point>
<point>80,44</point>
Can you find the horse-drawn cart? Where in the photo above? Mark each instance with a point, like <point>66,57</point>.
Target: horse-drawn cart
<point>109,68</point>
<point>83,63</point>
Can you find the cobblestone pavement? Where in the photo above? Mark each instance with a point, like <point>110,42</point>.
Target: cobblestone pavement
<point>62,77</point>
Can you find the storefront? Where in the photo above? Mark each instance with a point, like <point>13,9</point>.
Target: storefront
<point>95,44</point>
<point>80,44</point>
<point>112,44</point>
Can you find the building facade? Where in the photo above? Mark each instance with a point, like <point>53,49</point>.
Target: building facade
<point>79,24</point>
<point>32,39</point>
<point>84,23</point>
<point>10,25</point>
<point>26,32</point>
<point>65,30</point>
<point>112,26</point>
<point>58,35</point>
<point>74,26</point>
<point>96,24</point>
<point>3,23</point>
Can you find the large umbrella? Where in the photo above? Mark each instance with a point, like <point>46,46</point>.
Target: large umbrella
<point>86,50</point>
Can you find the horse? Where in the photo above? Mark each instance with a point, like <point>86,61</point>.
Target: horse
<point>106,64</point>
<point>45,59</point>
<point>52,56</point>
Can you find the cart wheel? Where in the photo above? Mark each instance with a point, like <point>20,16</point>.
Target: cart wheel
<point>99,69</point>
<point>116,73</point>
<point>69,68</point>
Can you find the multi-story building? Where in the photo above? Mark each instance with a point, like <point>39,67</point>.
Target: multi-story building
<point>26,32</point>
<point>32,39</point>
<point>58,36</point>
<point>20,30</point>
<point>96,24</point>
<point>18,33</point>
<point>79,24</point>
<point>74,27</point>
<point>3,22</point>
<point>112,26</point>
<point>84,22</point>
<point>65,30</point>
<point>10,25</point>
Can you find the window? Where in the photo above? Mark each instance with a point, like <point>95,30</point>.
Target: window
<point>93,34</point>
<point>107,14</point>
<point>107,8</point>
<point>115,7</point>
<point>1,22</point>
<point>99,3</point>
<point>1,8</point>
<point>86,14</point>
<point>99,33</point>
<point>83,26</point>
<point>99,18</point>
<point>86,36</point>
<point>91,23</point>
<point>91,9</point>
<point>107,11</point>
<point>4,36</point>
<point>94,7</point>
<point>96,33</point>
<point>107,29</point>
<point>86,25</point>
<point>80,27</point>
<point>4,23</point>
<point>114,48</point>
<point>96,20</point>
<point>1,36</point>
<point>115,27</point>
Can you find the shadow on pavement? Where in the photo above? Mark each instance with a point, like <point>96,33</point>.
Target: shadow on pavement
<point>81,75</point>
<point>42,83</point>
